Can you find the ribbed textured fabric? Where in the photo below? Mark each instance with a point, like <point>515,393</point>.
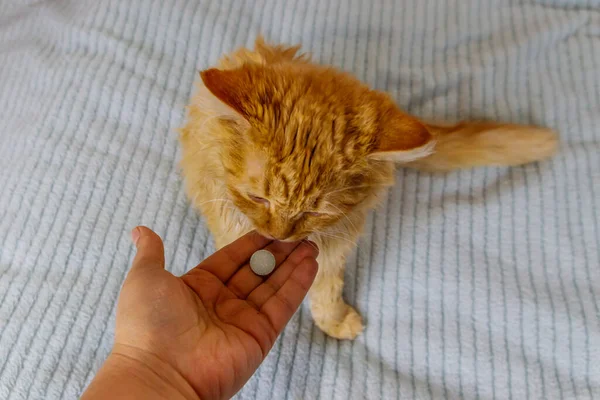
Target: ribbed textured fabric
<point>478,284</point>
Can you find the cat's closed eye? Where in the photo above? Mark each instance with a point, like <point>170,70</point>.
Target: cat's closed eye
<point>258,199</point>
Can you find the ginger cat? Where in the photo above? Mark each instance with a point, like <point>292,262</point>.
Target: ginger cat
<point>294,150</point>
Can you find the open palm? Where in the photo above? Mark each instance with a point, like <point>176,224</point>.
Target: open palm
<point>215,324</point>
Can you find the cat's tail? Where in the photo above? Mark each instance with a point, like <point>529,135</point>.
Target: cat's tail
<point>475,144</point>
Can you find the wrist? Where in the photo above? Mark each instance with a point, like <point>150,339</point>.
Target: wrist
<point>134,373</point>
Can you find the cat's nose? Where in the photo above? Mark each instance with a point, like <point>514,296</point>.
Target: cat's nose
<point>280,231</point>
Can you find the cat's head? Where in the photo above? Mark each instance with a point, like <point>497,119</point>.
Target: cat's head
<point>306,145</point>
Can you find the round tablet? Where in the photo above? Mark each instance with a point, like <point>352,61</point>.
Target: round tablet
<point>262,262</point>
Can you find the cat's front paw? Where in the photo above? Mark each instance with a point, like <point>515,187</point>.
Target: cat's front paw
<point>349,326</point>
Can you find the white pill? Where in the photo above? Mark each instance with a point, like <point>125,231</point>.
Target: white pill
<point>262,262</point>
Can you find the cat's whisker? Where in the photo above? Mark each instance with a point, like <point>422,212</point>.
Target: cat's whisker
<point>339,232</point>
<point>353,243</point>
<point>310,244</point>
<point>354,187</point>
<point>209,119</point>
<point>199,151</point>
<point>214,200</point>
<point>344,214</point>
<point>330,235</point>
<point>206,121</point>
<point>331,229</point>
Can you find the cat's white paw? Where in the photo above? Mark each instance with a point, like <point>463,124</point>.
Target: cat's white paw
<point>347,327</point>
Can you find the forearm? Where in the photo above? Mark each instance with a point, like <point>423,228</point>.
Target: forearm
<point>131,375</point>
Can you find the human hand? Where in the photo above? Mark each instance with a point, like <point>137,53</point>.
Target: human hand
<point>205,333</point>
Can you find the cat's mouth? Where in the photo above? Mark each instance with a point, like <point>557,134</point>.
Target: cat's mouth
<point>289,239</point>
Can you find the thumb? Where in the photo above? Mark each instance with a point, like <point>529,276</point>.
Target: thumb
<point>150,250</point>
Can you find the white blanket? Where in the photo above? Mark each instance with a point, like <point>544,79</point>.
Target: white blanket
<point>478,284</point>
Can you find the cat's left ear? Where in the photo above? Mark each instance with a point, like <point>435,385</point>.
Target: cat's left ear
<point>231,87</point>
<point>403,139</point>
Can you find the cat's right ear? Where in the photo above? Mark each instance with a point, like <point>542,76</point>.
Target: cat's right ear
<point>229,88</point>
<point>403,139</point>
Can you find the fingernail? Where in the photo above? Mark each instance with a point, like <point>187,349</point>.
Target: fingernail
<point>135,235</point>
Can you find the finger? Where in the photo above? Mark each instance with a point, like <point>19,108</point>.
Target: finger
<point>245,280</point>
<point>280,307</point>
<point>225,262</point>
<point>264,292</point>
<point>150,250</point>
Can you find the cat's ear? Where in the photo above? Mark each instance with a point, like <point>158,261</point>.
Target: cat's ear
<point>230,87</point>
<point>403,139</point>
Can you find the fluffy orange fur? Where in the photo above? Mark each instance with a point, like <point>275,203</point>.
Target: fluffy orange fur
<point>296,150</point>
